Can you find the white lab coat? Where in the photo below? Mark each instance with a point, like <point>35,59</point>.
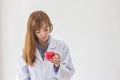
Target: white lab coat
<point>44,70</point>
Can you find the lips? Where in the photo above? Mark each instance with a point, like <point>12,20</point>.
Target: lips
<point>43,38</point>
<point>49,55</point>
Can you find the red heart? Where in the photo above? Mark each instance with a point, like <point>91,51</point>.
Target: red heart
<point>49,55</point>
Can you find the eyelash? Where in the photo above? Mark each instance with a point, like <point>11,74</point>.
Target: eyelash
<point>46,29</point>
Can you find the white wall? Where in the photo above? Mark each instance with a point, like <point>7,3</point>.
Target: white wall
<point>91,28</point>
<point>1,60</point>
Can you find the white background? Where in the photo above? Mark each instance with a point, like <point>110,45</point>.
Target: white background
<point>91,28</point>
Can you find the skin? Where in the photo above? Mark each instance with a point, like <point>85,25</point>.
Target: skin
<point>43,35</point>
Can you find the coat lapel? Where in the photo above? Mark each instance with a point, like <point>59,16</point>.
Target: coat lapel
<point>52,44</point>
<point>38,55</point>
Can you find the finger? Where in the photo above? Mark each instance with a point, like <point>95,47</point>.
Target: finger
<point>57,59</point>
<point>53,61</point>
<point>57,55</point>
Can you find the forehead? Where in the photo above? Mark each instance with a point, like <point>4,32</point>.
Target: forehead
<point>44,25</point>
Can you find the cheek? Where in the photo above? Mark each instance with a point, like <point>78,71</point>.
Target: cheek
<point>39,36</point>
<point>47,33</point>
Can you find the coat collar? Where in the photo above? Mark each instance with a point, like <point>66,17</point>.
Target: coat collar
<point>52,43</point>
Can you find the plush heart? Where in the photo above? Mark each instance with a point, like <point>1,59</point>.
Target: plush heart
<point>49,55</point>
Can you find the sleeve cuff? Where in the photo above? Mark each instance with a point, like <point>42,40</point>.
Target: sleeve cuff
<point>55,69</point>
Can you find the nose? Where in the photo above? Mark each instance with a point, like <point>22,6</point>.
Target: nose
<point>42,33</point>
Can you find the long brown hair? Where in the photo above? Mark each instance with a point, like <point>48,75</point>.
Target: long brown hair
<point>35,21</point>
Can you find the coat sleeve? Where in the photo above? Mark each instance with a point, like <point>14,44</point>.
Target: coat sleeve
<point>22,69</point>
<point>66,69</point>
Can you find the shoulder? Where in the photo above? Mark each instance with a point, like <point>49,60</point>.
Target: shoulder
<point>20,59</point>
<point>20,53</point>
<point>60,42</point>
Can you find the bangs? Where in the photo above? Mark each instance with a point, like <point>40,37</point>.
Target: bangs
<point>39,25</point>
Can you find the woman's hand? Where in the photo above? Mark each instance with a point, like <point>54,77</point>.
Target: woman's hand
<point>56,60</point>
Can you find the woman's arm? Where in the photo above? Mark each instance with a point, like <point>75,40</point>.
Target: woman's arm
<point>22,69</point>
<point>66,69</point>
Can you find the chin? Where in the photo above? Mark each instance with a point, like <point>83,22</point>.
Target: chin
<point>44,40</point>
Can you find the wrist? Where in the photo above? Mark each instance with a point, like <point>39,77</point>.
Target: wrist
<point>57,65</point>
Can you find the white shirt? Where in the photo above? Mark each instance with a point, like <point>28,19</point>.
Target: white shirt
<point>44,70</point>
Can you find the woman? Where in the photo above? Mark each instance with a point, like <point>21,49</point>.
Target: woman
<point>32,64</point>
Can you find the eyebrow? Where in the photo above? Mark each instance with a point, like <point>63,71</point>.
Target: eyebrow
<point>45,27</point>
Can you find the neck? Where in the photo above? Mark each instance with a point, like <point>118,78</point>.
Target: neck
<point>42,44</point>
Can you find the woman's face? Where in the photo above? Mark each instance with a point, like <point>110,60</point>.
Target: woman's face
<point>43,33</point>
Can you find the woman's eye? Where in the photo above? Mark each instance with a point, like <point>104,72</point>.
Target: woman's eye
<point>46,29</point>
